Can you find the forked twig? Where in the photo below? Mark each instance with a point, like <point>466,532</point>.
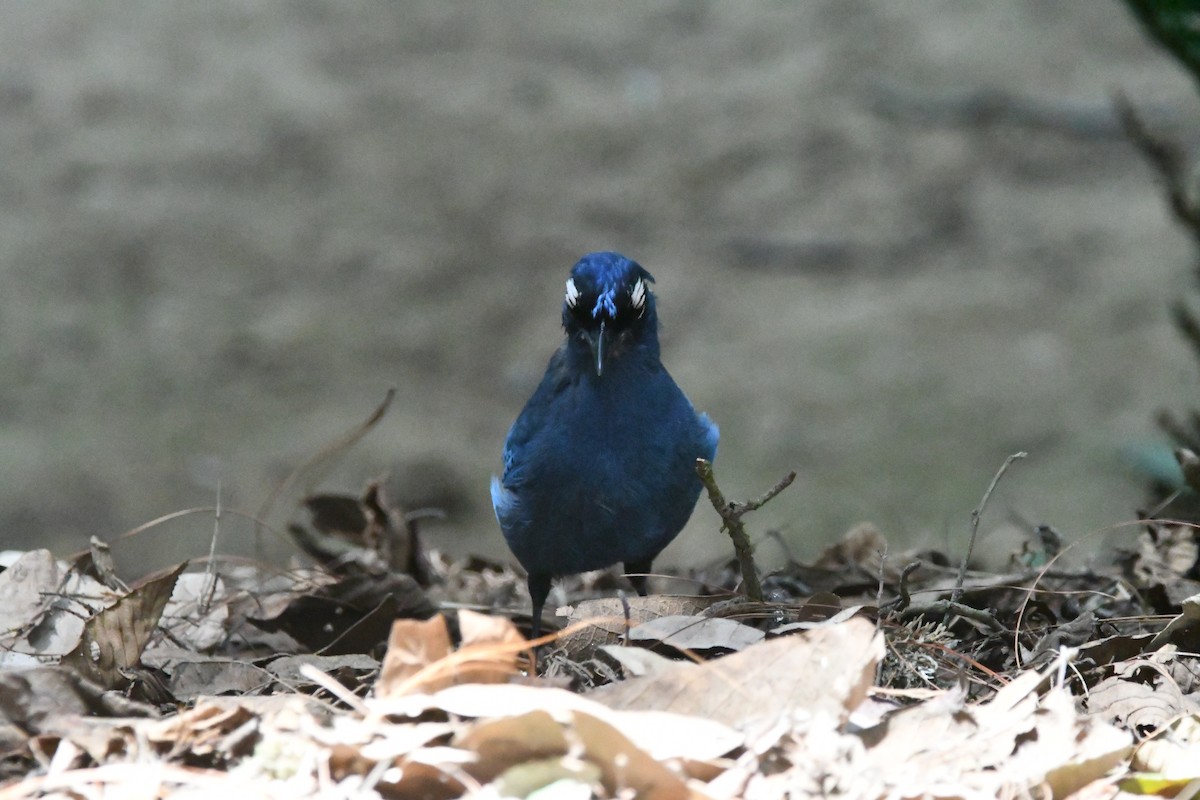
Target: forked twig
<point>731,513</point>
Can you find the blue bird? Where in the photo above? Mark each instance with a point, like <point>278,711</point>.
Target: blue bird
<point>599,467</point>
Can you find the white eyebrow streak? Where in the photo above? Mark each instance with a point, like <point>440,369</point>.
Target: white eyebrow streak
<point>638,294</point>
<point>572,293</point>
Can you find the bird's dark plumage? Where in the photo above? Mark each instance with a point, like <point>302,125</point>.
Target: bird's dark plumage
<point>599,467</point>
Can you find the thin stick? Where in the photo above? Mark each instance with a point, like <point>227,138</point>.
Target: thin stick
<point>210,580</point>
<point>905,599</point>
<point>975,515</point>
<point>731,513</point>
<point>943,607</point>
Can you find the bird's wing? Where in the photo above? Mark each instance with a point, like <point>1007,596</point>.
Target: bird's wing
<point>504,503</point>
<point>533,417</point>
<point>712,435</point>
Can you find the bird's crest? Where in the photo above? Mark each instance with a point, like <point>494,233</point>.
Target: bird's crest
<point>617,284</point>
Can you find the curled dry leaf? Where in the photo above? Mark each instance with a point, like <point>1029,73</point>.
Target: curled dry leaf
<point>859,547</point>
<point>113,640</point>
<point>1141,695</point>
<point>484,629</point>
<point>419,657</point>
<point>1189,617</point>
<point>412,646</point>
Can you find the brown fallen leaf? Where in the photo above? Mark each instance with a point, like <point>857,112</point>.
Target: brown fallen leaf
<point>505,741</point>
<point>484,629</point>
<point>412,646</point>
<point>859,547</point>
<point>419,658</point>
<point>625,768</point>
<point>113,640</point>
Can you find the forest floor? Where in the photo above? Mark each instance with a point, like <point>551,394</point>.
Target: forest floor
<point>892,247</point>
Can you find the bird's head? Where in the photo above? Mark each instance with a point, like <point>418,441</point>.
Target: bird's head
<point>609,309</point>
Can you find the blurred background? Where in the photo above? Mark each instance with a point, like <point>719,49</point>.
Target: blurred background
<point>894,242</point>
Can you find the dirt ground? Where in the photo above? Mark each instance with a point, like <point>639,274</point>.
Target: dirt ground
<point>894,243</point>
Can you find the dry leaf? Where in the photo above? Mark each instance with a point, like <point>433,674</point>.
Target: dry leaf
<point>418,658</point>
<point>1141,695</point>
<point>553,778</point>
<point>826,670</point>
<point>197,612</point>
<point>662,734</point>
<point>859,547</point>
<point>624,766</point>
<point>113,640</point>
<point>1174,752</point>
<point>638,662</point>
<point>76,598</point>
<point>348,670</point>
<point>43,606</point>
<point>1012,743</point>
<point>190,679</point>
<point>606,619</point>
<point>1088,750</point>
<point>412,646</point>
<point>484,629</point>
<point>502,742</point>
<point>692,633</point>
<point>24,587</point>
<point>1189,616</point>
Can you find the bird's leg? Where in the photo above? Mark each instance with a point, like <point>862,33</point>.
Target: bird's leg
<point>637,571</point>
<point>539,590</point>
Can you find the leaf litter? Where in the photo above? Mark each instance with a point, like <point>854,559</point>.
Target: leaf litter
<point>385,669</point>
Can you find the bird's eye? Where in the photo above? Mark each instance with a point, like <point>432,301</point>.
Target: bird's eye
<point>637,296</point>
<point>572,293</point>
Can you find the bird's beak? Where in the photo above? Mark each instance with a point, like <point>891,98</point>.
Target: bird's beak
<point>599,342</point>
